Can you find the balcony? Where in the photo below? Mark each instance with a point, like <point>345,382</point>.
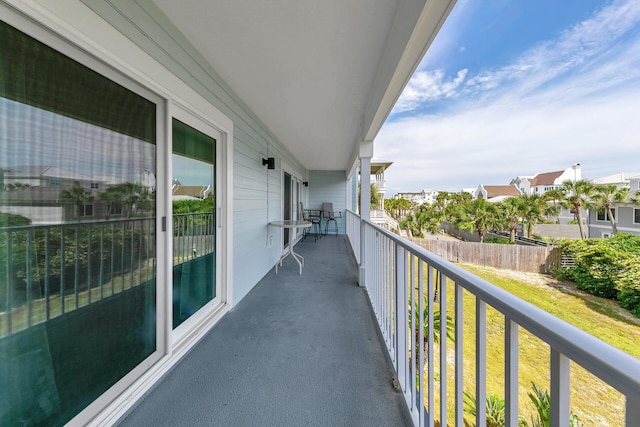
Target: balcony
<point>297,350</point>
<point>315,348</point>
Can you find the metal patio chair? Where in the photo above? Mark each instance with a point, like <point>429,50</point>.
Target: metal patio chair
<point>312,216</point>
<point>330,215</point>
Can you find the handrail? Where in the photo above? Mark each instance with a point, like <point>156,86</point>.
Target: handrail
<point>394,265</point>
<point>51,269</point>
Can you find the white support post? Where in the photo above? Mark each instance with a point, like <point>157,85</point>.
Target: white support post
<point>365,212</point>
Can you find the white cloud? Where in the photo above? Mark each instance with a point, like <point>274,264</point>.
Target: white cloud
<point>565,101</point>
<point>427,86</point>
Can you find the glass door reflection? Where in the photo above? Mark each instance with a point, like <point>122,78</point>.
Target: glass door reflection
<point>193,202</point>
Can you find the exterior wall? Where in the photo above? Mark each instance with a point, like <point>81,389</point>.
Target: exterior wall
<point>256,190</point>
<point>153,55</point>
<point>329,186</point>
<point>624,222</point>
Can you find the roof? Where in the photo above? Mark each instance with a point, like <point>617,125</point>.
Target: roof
<point>547,178</point>
<point>618,178</point>
<point>501,190</point>
<point>321,76</point>
<point>25,172</point>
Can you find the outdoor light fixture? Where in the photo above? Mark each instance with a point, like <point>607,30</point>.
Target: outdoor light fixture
<point>305,183</point>
<point>270,162</point>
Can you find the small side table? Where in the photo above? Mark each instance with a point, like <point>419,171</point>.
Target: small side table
<point>291,225</point>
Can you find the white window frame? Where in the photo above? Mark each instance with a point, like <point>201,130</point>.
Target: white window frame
<point>192,118</point>
<point>634,215</point>
<point>606,215</point>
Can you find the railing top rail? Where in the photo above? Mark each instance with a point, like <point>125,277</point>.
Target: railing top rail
<point>612,365</point>
<point>75,223</point>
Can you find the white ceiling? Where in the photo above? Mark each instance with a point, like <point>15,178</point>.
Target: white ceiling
<point>319,74</point>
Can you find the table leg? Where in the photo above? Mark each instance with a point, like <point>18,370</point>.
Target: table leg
<point>299,258</point>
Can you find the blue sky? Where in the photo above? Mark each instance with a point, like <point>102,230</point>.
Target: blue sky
<point>519,87</point>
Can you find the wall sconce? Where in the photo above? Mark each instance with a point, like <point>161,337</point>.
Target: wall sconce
<point>270,162</point>
<point>305,183</point>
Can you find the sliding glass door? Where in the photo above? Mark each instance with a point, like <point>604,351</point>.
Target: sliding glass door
<point>77,230</point>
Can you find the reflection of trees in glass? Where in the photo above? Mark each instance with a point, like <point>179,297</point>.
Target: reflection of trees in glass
<point>73,257</point>
<point>77,196</point>
<point>131,197</point>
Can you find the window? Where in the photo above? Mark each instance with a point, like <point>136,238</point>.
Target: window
<point>95,186</point>
<point>58,113</point>
<point>636,216</point>
<point>604,216</point>
<point>86,210</point>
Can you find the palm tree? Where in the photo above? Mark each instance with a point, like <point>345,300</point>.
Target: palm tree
<point>554,196</point>
<point>477,215</point>
<point>607,195</point>
<point>534,206</point>
<point>77,196</point>
<point>577,196</point>
<point>510,212</point>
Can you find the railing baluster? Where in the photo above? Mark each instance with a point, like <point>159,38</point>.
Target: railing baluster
<point>632,412</point>
<point>430,350</point>
<point>112,278</point>
<point>511,372</point>
<point>421,308</point>
<point>131,267</point>
<point>28,254</point>
<point>481,362</point>
<point>89,263</point>
<point>62,269</point>
<point>459,354</point>
<point>9,281</point>
<point>401,317</point>
<point>559,389</point>
<point>443,350</point>
<point>101,272</point>
<point>76,275</point>
<point>122,246</point>
<point>47,272</point>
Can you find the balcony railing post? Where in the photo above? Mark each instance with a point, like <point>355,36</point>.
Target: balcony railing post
<point>511,371</point>
<point>481,362</point>
<point>362,270</point>
<point>559,393</point>
<point>459,358</point>
<point>401,321</point>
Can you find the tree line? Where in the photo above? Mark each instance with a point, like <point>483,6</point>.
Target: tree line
<point>481,216</point>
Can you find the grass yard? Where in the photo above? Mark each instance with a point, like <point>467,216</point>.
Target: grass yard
<point>593,401</point>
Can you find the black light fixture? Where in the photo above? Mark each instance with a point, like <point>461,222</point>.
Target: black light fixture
<point>305,183</point>
<point>270,162</point>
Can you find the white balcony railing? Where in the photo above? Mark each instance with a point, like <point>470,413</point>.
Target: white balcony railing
<point>396,273</point>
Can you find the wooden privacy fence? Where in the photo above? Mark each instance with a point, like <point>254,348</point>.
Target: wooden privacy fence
<point>533,259</point>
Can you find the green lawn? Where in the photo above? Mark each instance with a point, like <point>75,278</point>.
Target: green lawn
<point>595,402</point>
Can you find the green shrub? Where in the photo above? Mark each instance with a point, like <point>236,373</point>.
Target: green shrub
<point>628,284</point>
<point>608,268</point>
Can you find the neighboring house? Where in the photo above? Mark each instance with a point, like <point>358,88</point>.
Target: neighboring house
<point>34,192</point>
<point>424,196</point>
<point>377,178</point>
<point>543,182</point>
<point>620,180</point>
<point>496,193</point>
<point>626,214</point>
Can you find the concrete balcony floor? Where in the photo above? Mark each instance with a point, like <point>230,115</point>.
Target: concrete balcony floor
<point>298,350</point>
